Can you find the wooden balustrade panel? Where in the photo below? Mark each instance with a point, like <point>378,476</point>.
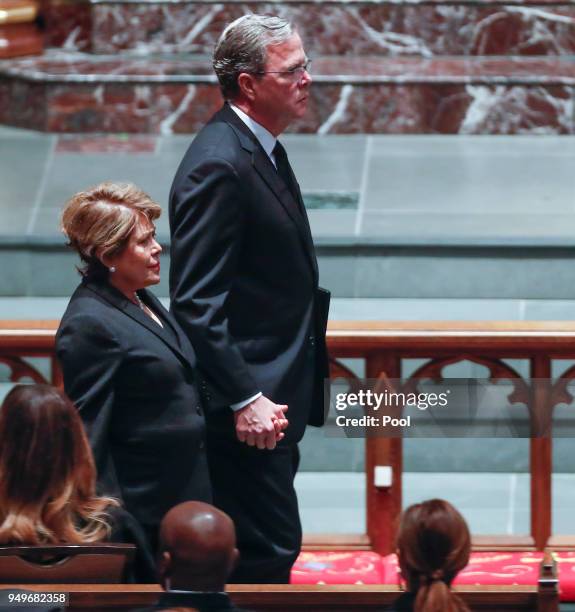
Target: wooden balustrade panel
<point>383,346</point>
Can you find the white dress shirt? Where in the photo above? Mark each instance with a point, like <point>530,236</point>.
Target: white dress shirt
<point>265,137</point>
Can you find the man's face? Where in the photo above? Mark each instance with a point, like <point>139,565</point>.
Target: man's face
<point>279,99</point>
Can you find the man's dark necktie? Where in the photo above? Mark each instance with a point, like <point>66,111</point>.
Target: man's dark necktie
<point>284,170</point>
<point>286,174</point>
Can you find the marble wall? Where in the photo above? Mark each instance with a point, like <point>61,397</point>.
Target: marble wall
<point>395,66</point>
<point>366,28</point>
<point>333,109</point>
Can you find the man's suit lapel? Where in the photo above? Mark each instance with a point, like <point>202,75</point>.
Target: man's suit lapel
<point>264,167</point>
<point>122,303</point>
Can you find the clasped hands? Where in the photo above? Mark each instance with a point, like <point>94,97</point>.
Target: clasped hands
<point>261,423</point>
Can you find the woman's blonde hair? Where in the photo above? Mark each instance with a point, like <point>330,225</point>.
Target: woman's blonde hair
<point>47,472</point>
<point>433,546</point>
<point>98,222</point>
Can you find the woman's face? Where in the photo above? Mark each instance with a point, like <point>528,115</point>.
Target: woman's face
<point>138,265</point>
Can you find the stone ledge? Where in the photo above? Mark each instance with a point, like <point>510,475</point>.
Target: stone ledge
<point>408,273</point>
<point>338,245</point>
<point>74,67</point>
<point>73,92</point>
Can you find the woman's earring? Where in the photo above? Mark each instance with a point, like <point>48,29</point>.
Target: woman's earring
<point>112,269</point>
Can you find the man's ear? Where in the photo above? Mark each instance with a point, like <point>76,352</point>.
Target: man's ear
<point>246,83</point>
<point>164,567</point>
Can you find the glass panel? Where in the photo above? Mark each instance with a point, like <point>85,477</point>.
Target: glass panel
<point>487,479</point>
<point>331,480</point>
<point>563,478</point>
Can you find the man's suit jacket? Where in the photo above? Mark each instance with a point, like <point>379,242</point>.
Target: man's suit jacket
<point>244,278</point>
<point>134,385</point>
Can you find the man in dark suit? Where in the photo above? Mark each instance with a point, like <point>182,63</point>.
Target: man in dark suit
<point>244,286</point>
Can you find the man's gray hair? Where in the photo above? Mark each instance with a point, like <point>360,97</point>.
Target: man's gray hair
<point>242,48</point>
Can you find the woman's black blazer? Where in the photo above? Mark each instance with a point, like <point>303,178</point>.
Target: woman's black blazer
<point>134,385</point>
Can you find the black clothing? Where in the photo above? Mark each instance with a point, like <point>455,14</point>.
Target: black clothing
<point>126,530</point>
<point>134,385</point>
<point>244,287</point>
<point>263,501</point>
<point>243,278</point>
<point>404,603</point>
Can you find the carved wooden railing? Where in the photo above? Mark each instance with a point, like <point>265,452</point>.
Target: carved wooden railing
<point>384,346</point>
<point>21,339</point>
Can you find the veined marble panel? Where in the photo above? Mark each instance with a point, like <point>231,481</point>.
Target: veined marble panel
<point>333,109</point>
<point>68,26</point>
<point>23,104</point>
<point>439,109</point>
<point>346,29</point>
<point>68,92</point>
<point>130,108</point>
<point>5,95</point>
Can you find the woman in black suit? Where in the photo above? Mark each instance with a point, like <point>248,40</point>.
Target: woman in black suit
<point>127,365</point>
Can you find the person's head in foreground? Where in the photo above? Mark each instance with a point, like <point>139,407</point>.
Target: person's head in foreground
<point>197,548</point>
<point>262,68</point>
<point>433,546</point>
<point>111,226</point>
<point>47,473</point>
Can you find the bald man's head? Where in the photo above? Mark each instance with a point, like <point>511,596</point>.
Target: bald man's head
<point>197,548</point>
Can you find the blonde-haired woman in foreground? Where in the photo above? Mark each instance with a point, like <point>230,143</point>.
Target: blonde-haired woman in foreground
<point>48,480</point>
<point>47,474</point>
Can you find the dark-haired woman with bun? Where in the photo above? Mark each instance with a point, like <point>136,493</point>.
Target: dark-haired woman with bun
<point>433,546</point>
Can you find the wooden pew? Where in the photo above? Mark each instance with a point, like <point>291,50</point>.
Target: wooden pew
<point>543,597</point>
<point>360,598</point>
<point>312,598</point>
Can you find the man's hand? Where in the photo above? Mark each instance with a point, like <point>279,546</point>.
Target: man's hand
<point>261,423</point>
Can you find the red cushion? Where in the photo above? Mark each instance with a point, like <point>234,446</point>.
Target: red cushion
<point>486,568</point>
<point>356,567</point>
<point>566,567</point>
<point>361,567</point>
